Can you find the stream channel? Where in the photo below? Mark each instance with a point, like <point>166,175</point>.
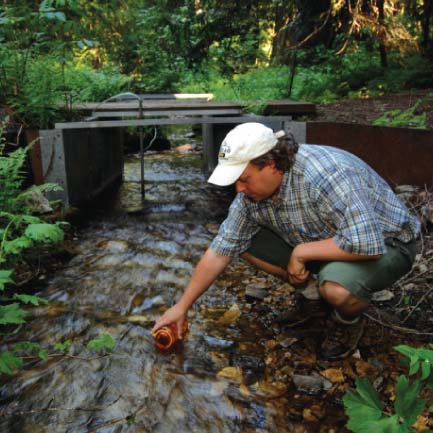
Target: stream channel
<point>234,371</point>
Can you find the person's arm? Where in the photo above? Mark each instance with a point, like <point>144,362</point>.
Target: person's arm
<point>323,250</point>
<point>207,270</point>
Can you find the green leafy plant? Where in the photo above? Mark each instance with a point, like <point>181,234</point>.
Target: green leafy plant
<point>9,362</point>
<point>63,347</point>
<point>403,118</point>
<point>367,412</point>
<point>13,359</point>
<point>102,342</point>
<point>420,360</point>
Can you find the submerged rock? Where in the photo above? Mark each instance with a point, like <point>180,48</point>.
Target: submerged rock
<point>148,303</point>
<point>383,296</point>
<point>311,385</point>
<point>37,202</point>
<point>256,293</point>
<point>217,343</point>
<point>114,246</point>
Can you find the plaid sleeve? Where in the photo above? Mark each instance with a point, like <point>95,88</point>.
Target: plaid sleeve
<point>345,201</point>
<point>235,233</point>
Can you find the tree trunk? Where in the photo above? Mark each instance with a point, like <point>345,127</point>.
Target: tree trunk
<point>427,12</point>
<point>304,26</point>
<point>382,47</point>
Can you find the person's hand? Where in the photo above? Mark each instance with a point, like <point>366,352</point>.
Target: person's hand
<point>175,314</point>
<point>296,270</point>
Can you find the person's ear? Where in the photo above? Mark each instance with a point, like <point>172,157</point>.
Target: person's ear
<point>271,165</point>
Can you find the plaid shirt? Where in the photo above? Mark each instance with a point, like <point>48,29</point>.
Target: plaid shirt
<point>328,193</point>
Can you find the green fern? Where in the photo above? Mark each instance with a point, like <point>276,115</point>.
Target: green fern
<point>19,231</point>
<point>403,118</point>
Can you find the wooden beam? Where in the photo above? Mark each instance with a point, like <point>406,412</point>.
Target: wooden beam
<point>280,107</point>
<point>169,104</point>
<point>169,121</point>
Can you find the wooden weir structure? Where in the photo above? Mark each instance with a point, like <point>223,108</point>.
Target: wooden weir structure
<point>85,157</point>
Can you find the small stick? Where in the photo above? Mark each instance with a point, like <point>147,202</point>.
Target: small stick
<point>55,409</point>
<point>397,328</point>
<point>57,355</point>
<point>418,303</point>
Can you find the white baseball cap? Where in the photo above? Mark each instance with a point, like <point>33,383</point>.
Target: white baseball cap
<point>242,144</point>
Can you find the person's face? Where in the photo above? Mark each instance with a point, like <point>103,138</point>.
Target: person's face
<point>259,183</point>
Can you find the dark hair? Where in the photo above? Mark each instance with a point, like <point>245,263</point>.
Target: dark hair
<point>283,154</point>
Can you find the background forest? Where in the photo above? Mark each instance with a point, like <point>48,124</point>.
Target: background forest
<point>317,50</point>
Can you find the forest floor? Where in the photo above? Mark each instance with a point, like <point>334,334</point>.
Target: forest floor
<point>367,110</point>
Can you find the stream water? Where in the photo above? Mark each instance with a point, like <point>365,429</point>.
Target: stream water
<point>131,264</point>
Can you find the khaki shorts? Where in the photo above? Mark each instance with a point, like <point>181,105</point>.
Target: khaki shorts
<point>361,278</point>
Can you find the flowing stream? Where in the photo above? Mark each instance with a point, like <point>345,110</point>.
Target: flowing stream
<point>131,263</point>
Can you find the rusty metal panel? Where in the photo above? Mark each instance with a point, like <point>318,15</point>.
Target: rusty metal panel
<point>32,137</point>
<point>400,155</point>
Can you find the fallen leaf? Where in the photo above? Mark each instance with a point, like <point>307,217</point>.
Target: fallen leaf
<point>422,423</point>
<point>269,389</point>
<point>364,369</point>
<point>318,411</point>
<point>230,316</point>
<point>244,390</point>
<point>271,359</point>
<point>233,374</point>
<point>348,370</point>
<point>309,416</point>
<point>271,344</point>
<point>335,375</point>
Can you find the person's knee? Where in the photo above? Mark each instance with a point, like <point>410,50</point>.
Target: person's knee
<point>335,294</point>
<point>246,256</point>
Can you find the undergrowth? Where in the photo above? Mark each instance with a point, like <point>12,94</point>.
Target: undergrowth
<point>20,232</point>
<point>357,74</point>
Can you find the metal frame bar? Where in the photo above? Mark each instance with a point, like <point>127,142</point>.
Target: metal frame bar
<point>167,113</point>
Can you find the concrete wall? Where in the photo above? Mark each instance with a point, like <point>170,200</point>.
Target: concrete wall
<point>82,161</point>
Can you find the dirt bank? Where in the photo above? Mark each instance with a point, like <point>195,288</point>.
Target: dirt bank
<point>366,110</point>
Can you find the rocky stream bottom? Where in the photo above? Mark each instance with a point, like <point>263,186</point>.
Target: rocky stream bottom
<point>244,367</point>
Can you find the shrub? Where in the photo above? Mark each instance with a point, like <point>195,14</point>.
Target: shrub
<point>89,85</point>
